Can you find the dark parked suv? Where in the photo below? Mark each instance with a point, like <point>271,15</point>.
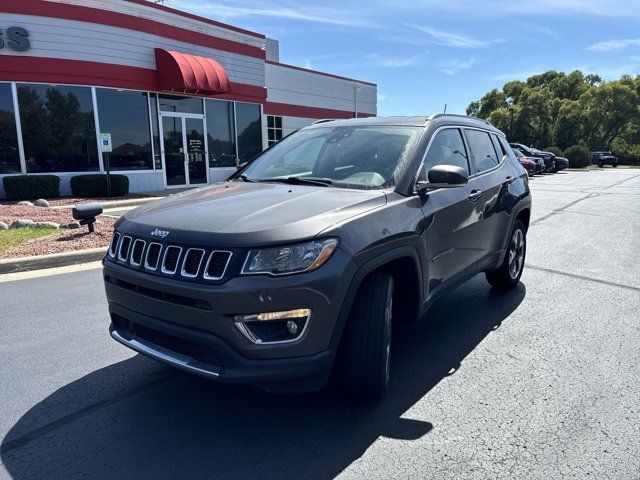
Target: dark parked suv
<point>304,257</point>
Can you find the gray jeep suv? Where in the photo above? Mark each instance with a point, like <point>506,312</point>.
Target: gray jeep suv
<point>299,264</point>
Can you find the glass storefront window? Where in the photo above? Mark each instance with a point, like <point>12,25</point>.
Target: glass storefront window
<point>249,130</point>
<point>58,128</point>
<point>176,103</point>
<point>155,133</point>
<point>9,154</point>
<point>220,134</point>
<point>125,115</point>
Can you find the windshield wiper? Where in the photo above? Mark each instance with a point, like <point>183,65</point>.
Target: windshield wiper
<point>322,182</point>
<point>244,178</point>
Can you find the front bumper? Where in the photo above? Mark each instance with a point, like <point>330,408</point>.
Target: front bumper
<point>191,325</point>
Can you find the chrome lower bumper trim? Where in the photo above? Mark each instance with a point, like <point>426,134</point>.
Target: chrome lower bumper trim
<point>163,355</point>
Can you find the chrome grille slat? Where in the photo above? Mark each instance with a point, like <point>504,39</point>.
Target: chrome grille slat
<point>113,246</point>
<point>195,256</point>
<point>169,253</point>
<point>154,250</point>
<point>125,244</point>
<point>217,256</point>
<point>137,252</point>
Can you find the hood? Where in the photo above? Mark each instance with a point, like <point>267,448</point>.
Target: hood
<point>248,214</point>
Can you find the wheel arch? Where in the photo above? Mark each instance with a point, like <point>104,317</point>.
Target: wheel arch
<point>403,263</point>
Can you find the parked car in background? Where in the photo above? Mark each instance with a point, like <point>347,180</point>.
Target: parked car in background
<point>269,277</point>
<point>530,164</point>
<point>561,163</point>
<point>547,157</point>
<point>604,158</point>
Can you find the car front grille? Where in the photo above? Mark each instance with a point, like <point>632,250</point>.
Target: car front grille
<point>191,263</point>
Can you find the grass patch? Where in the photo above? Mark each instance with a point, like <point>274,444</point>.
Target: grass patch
<point>16,236</point>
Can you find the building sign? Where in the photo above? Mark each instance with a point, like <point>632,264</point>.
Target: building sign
<point>16,38</point>
<point>105,142</point>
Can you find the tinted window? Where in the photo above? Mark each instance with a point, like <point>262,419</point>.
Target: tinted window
<point>249,130</point>
<point>9,155</point>
<point>125,115</point>
<point>502,153</point>
<point>220,135</point>
<point>176,103</point>
<point>447,148</point>
<point>482,149</point>
<point>58,128</point>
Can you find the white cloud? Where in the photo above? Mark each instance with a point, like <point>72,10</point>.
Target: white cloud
<point>454,66</point>
<point>381,97</point>
<point>385,61</point>
<point>450,39</point>
<point>611,45</point>
<point>522,75</point>
<point>325,16</point>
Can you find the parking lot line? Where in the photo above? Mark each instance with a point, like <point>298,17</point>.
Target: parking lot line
<point>12,277</point>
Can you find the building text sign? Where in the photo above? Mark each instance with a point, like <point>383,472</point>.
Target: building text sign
<point>16,38</point>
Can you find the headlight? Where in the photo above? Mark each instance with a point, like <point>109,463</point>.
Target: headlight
<point>290,259</point>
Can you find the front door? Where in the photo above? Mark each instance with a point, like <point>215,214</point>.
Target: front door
<point>184,150</point>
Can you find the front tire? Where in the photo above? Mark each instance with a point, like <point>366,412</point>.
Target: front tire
<point>508,274</point>
<point>367,338</point>
<point>600,165</point>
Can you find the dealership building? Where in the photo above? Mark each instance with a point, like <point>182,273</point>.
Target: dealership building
<point>179,100</point>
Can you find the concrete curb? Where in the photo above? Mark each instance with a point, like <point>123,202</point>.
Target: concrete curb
<point>25,264</point>
<point>120,203</point>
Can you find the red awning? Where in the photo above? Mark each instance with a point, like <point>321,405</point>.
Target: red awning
<point>181,72</point>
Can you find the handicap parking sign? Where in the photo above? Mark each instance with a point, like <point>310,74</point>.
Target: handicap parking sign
<point>105,142</point>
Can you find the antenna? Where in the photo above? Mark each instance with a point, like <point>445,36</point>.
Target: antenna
<point>445,108</point>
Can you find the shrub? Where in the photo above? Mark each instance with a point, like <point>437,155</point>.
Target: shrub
<point>95,185</point>
<point>555,150</point>
<point>26,187</point>
<point>579,156</point>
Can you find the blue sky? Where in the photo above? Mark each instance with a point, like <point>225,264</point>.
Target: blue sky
<point>425,53</point>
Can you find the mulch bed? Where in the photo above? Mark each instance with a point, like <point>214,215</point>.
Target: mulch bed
<point>65,241</point>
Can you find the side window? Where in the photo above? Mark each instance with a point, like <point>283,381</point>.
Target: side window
<point>446,149</point>
<point>502,153</point>
<point>482,149</point>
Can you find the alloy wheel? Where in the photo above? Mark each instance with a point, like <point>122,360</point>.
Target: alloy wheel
<point>516,253</point>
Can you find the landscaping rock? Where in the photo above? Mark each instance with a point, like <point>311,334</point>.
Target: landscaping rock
<point>41,202</point>
<point>72,225</point>
<point>26,202</point>
<point>47,225</point>
<point>22,223</point>
<point>3,226</point>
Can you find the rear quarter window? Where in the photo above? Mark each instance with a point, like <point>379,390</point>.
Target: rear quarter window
<point>482,149</point>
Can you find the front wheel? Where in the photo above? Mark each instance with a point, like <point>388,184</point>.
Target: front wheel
<point>600,165</point>
<point>508,274</point>
<point>367,338</point>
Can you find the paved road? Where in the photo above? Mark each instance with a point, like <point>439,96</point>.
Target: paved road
<point>538,383</point>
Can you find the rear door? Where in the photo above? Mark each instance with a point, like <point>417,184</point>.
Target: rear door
<point>453,215</point>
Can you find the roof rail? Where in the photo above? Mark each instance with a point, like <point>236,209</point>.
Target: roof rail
<point>438,115</point>
<point>323,120</point>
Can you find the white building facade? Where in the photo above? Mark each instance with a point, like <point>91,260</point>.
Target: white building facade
<point>184,99</point>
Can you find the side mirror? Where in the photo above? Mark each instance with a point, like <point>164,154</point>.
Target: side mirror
<point>443,176</point>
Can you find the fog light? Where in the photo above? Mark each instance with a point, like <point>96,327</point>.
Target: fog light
<point>273,327</point>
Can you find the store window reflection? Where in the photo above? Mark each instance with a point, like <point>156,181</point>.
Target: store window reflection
<point>9,154</point>
<point>249,130</point>
<point>58,129</point>
<point>220,134</point>
<point>125,115</point>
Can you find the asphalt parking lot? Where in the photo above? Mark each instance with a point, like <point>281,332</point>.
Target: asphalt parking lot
<point>541,382</point>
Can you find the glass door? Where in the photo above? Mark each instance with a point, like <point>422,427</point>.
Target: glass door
<point>184,150</point>
<point>196,155</point>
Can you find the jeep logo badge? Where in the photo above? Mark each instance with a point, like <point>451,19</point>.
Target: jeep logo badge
<point>160,233</point>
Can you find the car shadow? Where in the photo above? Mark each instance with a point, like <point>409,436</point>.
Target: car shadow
<point>178,425</point>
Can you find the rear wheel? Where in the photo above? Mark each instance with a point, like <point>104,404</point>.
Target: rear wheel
<point>508,274</point>
<point>367,338</point>
<point>600,164</point>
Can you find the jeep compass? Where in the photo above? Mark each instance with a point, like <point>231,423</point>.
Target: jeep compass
<point>299,265</point>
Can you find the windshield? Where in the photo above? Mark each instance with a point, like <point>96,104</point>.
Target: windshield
<point>360,157</point>
<point>518,152</point>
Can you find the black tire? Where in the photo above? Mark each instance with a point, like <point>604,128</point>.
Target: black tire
<point>615,165</point>
<point>600,165</point>
<point>367,338</point>
<point>504,278</point>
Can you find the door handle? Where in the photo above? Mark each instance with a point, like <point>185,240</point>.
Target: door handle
<point>475,195</point>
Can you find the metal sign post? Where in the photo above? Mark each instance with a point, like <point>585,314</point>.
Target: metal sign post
<point>105,143</point>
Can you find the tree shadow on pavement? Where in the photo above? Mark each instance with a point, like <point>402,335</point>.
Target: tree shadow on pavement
<point>181,426</point>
